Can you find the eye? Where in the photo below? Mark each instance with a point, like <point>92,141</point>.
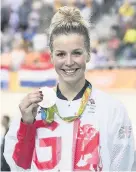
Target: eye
<point>61,54</point>
<point>77,53</point>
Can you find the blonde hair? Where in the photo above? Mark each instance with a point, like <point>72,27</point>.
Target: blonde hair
<point>69,20</point>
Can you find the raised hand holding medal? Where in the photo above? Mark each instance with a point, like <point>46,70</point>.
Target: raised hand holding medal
<point>28,106</point>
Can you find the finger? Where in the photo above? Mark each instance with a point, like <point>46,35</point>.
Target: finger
<point>38,95</point>
<point>35,93</point>
<point>31,98</point>
<point>33,108</point>
<point>28,101</point>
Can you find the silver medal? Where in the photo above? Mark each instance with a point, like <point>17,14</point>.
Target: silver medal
<point>49,97</point>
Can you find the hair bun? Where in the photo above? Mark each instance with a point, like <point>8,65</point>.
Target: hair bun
<point>70,14</point>
<point>67,16</point>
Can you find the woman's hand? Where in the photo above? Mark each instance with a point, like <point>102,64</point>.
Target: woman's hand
<point>29,105</point>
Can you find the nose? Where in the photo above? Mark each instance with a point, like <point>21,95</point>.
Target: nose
<point>69,61</point>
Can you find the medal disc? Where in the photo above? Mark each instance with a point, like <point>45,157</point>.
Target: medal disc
<point>49,97</point>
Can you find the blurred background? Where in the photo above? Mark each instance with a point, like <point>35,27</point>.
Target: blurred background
<point>25,59</point>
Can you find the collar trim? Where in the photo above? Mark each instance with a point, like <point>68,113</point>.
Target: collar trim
<point>78,96</point>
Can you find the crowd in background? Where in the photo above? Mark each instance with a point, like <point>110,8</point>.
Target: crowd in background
<point>24,31</point>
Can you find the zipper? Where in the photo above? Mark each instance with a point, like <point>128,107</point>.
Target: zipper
<point>69,103</point>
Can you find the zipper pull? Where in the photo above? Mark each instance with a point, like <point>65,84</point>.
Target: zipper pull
<point>69,103</point>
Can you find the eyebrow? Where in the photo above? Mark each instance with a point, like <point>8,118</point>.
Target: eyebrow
<point>59,51</point>
<point>78,49</point>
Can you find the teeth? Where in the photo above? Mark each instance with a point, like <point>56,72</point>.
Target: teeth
<point>70,71</point>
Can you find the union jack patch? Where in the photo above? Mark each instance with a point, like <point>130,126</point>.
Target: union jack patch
<point>125,132</point>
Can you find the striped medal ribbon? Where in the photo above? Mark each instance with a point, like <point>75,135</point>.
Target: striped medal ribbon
<point>47,114</point>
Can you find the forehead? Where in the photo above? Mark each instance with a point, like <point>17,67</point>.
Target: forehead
<point>68,42</point>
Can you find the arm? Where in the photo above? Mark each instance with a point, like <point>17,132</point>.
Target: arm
<point>20,140</point>
<point>19,145</point>
<point>121,142</point>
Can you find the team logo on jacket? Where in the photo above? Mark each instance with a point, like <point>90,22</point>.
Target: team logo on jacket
<point>87,156</point>
<point>125,132</point>
<point>91,105</point>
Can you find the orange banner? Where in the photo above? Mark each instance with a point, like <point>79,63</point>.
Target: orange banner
<point>113,79</point>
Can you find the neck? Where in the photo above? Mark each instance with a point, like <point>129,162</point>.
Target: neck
<point>71,90</point>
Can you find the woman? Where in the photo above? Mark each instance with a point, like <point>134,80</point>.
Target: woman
<point>86,130</point>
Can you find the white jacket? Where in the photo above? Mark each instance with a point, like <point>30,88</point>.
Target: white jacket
<point>101,140</point>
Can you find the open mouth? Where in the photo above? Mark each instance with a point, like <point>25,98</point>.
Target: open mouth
<point>70,71</point>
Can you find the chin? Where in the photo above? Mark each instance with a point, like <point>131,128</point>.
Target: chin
<point>71,80</point>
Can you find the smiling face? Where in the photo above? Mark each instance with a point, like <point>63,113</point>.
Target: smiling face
<point>69,57</point>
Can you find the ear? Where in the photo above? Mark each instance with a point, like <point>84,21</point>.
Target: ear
<point>88,58</point>
<point>52,60</point>
<point>51,55</point>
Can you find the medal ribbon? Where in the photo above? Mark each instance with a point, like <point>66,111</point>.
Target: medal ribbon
<point>48,114</point>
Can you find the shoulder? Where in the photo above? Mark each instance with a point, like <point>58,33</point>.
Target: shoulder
<point>104,98</point>
<point>113,106</point>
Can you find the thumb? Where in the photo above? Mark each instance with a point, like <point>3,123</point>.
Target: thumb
<point>33,108</point>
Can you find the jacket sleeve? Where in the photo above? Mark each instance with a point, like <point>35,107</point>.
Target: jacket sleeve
<point>120,141</point>
<point>19,145</point>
